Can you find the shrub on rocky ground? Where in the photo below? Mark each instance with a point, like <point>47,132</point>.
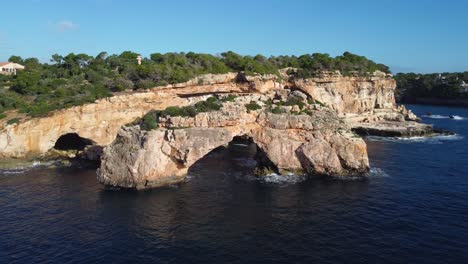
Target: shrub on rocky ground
<point>151,119</point>
<point>252,106</point>
<point>229,98</point>
<point>13,121</point>
<point>294,101</point>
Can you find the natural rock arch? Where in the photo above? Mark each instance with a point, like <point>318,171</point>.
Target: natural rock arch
<point>158,157</point>
<point>242,146</point>
<point>142,159</point>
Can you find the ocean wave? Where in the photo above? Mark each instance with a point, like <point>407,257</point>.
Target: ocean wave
<point>454,117</point>
<point>24,166</point>
<point>12,171</point>
<point>282,179</point>
<point>436,116</point>
<point>377,172</point>
<point>430,140</point>
<point>15,169</point>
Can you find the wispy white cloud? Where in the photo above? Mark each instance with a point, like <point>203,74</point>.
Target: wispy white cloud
<point>65,25</point>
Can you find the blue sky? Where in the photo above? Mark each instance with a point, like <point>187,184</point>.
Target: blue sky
<point>409,35</point>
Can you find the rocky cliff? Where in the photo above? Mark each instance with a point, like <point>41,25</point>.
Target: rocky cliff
<point>306,139</point>
<point>366,103</point>
<point>363,102</point>
<point>100,121</point>
<point>351,94</point>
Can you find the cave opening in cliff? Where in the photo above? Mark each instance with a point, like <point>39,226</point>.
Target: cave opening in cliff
<point>240,158</point>
<point>72,141</point>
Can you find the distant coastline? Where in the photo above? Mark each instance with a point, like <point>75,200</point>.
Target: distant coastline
<point>459,102</point>
<point>448,89</point>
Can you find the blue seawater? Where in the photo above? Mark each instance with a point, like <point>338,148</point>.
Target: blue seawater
<point>413,208</point>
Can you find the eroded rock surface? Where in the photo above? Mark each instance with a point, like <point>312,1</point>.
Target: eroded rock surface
<point>313,141</point>
<point>367,103</point>
<point>100,121</point>
<point>141,159</point>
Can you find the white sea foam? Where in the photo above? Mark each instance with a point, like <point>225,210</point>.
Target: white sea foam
<point>454,117</point>
<point>430,140</point>
<point>22,167</point>
<point>436,116</point>
<point>377,172</point>
<point>12,171</point>
<point>17,169</point>
<point>282,179</point>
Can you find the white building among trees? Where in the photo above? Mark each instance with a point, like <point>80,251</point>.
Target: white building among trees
<point>464,86</point>
<point>8,68</point>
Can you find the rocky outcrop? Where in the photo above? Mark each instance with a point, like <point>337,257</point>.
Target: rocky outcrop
<point>351,94</point>
<point>140,159</point>
<point>366,103</point>
<point>317,142</point>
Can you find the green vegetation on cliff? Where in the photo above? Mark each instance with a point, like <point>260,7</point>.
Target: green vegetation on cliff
<point>76,79</point>
<point>412,86</point>
<point>151,119</point>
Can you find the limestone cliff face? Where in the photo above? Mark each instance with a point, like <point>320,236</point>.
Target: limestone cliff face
<point>367,104</point>
<point>351,94</point>
<point>100,121</point>
<point>358,99</point>
<point>317,142</point>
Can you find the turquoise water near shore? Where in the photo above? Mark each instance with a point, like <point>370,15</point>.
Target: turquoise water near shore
<point>413,208</point>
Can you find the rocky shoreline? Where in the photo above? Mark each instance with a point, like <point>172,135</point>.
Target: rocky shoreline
<point>396,129</point>
<point>299,125</point>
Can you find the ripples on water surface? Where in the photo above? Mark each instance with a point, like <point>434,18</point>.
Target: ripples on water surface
<point>413,209</point>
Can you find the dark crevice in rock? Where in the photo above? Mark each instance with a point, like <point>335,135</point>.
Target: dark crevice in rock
<point>72,150</point>
<point>72,141</point>
<point>264,165</point>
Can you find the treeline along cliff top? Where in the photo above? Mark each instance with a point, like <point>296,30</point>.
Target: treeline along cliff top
<point>444,87</point>
<point>76,79</point>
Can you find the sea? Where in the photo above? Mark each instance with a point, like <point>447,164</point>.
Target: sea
<point>412,208</point>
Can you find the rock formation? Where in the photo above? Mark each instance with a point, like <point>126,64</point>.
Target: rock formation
<point>366,103</point>
<point>298,125</point>
<point>100,121</point>
<point>314,140</point>
<point>351,94</point>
